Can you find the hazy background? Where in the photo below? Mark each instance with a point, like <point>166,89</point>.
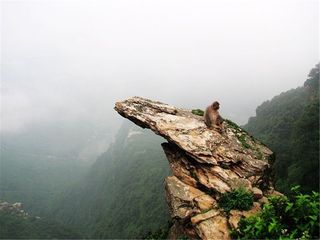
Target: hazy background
<point>65,63</point>
<point>68,60</point>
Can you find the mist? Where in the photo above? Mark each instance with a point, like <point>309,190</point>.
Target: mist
<point>72,168</point>
<point>68,60</point>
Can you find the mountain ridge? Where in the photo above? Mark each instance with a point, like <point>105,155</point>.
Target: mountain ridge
<point>289,124</point>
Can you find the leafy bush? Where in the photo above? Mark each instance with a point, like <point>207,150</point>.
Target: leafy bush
<point>239,199</point>
<point>198,112</point>
<point>293,217</point>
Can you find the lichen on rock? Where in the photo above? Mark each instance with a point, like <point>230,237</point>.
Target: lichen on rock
<point>205,164</point>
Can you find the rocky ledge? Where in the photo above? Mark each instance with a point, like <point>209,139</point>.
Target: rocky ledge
<point>205,164</point>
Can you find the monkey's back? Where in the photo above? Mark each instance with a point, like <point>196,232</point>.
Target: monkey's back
<point>207,117</point>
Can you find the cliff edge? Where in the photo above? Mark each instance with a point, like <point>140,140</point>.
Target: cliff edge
<point>206,164</point>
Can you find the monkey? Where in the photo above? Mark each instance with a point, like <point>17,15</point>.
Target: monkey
<point>212,117</point>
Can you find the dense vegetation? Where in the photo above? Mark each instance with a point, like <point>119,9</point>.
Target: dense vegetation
<point>161,233</point>
<point>41,160</point>
<point>123,195</point>
<point>18,227</point>
<point>240,199</point>
<point>289,125</point>
<point>292,217</point>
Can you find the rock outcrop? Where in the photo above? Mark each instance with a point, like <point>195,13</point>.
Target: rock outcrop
<point>205,165</point>
<point>15,209</point>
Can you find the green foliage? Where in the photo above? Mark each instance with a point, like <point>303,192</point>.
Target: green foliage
<point>242,139</point>
<point>293,217</point>
<point>239,199</point>
<point>183,237</point>
<point>289,125</point>
<point>233,125</point>
<point>161,233</point>
<point>17,227</point>
<point>198,112</point>
<point>313,79</point>
<point>122,196</point>
<point>40,161</point>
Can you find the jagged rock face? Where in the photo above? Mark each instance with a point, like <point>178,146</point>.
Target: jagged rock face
<point>205,164</point>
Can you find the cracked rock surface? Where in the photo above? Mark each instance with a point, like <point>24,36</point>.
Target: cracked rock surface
<point>205,164</point>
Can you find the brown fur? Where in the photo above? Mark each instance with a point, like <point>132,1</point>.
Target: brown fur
<point>212,118</point>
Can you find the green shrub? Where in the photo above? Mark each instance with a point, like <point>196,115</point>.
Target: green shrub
<point>233,125</point>
<point>240,199</point>
<point>293,217</point>
<point>242,139</point>
<point>198,112</point>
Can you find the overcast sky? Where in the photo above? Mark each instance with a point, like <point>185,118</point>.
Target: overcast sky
<point>70,59</point>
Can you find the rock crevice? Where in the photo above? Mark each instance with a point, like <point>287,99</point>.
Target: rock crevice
<point>205,164</point>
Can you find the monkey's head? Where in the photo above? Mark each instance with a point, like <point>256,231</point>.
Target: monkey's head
<point>215,105</point>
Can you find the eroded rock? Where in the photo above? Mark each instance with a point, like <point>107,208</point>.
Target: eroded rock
<point>257,193</point>
<point>188,131</point>
<point>184,200</point>
<point>205,164</point>
<point>204,216</point>
<point>214,228</point>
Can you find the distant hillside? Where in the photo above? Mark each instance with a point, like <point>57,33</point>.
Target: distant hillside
<point>289,124</point>
<point>123,194</point>
<point>16,223</point>
<point>41,160</point>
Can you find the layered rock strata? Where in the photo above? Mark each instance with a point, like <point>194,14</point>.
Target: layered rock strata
<point>205,164</point>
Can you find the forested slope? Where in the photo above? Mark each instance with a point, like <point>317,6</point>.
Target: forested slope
<point>15,223</point>
<point>123,194</point>
<point>289,125</point>
<point>42,159</point>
